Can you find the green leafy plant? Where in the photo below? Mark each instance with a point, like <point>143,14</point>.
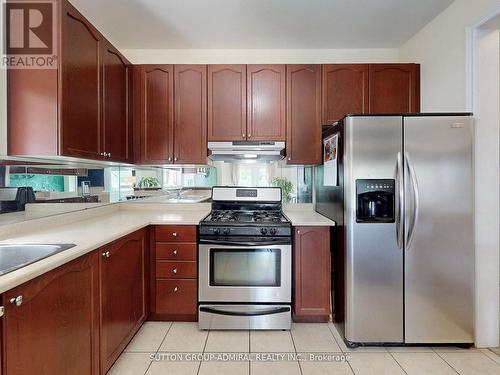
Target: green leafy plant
<point>149,182</point>
<point>286,188</point>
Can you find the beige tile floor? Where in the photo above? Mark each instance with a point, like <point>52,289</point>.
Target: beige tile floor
<point>147,354</point>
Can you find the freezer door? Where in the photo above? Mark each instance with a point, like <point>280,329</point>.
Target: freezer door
<point>439,254</point>
<point>374,262</point>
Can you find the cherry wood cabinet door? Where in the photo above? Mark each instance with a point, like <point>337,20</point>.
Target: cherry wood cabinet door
<point>345,90</point>
<point>123,292</point>
<point>81,85</point>
<point>55,328</point>
<point>303,120</point>
<point>312,281</point>
<point>266,98</point>
<point>227,111</point>
<point>157,114</point>
<point>116,78</point>
<point>190,124</point>
<point>394,88</point>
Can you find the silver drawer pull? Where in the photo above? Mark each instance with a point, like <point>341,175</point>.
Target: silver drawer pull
<point>106,254</point>
<point>174,252</point>
<point>176,289</point>
<point>174,234</point>
<point>174,270</point>
<point>18,301</point>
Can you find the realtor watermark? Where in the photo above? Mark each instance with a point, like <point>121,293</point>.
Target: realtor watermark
<point>30,34</point>
<point>250,357</point>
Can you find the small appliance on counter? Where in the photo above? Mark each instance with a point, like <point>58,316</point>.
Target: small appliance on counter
<point>403,262</point>
<point>245,261</point>
<point>13,199</point>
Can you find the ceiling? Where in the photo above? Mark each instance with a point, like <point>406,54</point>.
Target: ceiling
<point>259,24</point>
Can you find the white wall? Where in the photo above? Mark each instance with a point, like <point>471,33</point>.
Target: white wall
<point>440,48</point>
<point>259,56</point>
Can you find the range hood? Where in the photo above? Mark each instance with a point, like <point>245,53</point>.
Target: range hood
<point>246,151</point>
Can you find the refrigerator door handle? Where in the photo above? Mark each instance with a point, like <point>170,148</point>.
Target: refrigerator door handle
<point>400,208</point>
<point>414,186</point>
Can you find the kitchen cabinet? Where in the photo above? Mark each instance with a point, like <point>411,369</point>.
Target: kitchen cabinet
<point>227,111</point>
<point>123,291</point>
<point>117,127</point>
<point>312,274</point>
<point>51,323</point>
<point>190,119</point>
<point>345,89</point>
<point>84,97</point>
<point>173,273</point>
<point>303,120</point>
<point>394,88</point>
<point>156,114</point>
<point>266,98</point>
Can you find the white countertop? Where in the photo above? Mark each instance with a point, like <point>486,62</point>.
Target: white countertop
<point>304,215</point>
<point>91,233</point>
<point>93,228</point>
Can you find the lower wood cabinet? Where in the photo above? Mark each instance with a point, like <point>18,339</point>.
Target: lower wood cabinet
<point>312,274</point>
<point>51,323</point>
<point>123,291</point>
<point>173,273</point>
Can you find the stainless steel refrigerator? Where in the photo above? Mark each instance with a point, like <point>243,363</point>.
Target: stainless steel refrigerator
<point>403,249</point>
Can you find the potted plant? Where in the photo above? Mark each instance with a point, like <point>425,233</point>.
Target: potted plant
<point>286,188</point>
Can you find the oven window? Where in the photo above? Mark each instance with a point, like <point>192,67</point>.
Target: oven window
<point>240,267</point>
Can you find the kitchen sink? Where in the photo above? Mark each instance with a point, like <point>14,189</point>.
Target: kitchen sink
<point>13,257</point>
<point>188,199</point>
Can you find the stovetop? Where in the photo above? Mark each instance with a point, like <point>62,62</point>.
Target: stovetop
<point>245,217</point>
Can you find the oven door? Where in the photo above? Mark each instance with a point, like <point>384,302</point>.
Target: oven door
<point>248,273</point>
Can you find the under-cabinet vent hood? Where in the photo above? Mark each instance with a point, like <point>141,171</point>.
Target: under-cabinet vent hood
<point>246,151</point>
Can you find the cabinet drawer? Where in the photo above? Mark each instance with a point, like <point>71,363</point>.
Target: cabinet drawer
<point>176,233</point>
<point>176,251</point>
<point>176,297</point>
<point>176,270</point>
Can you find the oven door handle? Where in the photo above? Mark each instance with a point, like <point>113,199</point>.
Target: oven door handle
<point>276,310</point>
<point>242,243</point>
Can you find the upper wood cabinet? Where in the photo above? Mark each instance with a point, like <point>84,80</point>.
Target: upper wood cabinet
<point>394,88</point>
<point>303,120</point>
<point>81,85</point>
<point>116,78</point>
<point>84,98</point>
<point>266,99</point>
<point>345,90</point>
<point>227,111</point>
<point>122,269</point>
<point>312,275</point>
<point>51,323</point>
<point>190,119</point>
<point>156,114</point>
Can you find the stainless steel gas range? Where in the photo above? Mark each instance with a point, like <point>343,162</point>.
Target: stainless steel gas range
<point>245,261</point>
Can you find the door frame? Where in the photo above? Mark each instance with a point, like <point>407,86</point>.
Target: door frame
<point>487,288</point>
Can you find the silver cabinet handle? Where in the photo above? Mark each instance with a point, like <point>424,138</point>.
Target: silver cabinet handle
<point>400,195</point>
<point>249,135</point>
<point>174,252</point>
<point>416,199</point>
<point>298,231</point>
<point>174,270</point>
<point>169,159</point>
<point>102,154</point>
<point>175,159</point>
<point>106,254</point>
<point>176,289</point>
<point>2,311</point>
<point>174,234</point>
<point>109,154</point>
<point>243,135</point>
<point>18,301</point>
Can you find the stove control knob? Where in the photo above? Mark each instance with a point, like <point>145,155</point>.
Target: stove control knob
<point>273,231</point>
<point>263,230</point>
<point>226,231</point>
<point>216,231</point>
